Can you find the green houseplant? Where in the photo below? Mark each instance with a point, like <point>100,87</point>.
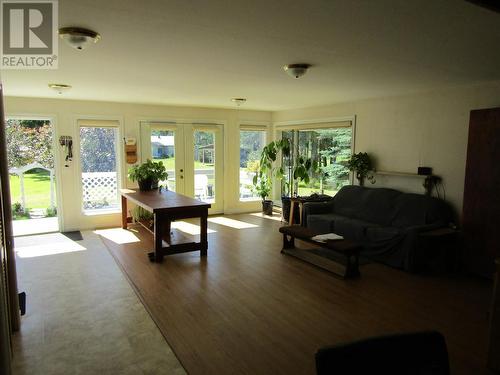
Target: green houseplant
<point>301,170</point>
<point>263,189</point>
<point>143,216</point>
<point>266,169</point>
<point>148,174</point>
<point>361,164</point>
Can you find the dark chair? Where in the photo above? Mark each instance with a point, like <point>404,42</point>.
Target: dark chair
<point>403,354</point>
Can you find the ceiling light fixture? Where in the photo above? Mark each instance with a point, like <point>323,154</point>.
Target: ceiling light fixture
<point>239,101</point>
<point>78,37</point>
<point>59,87</point>
<point>296,70</point>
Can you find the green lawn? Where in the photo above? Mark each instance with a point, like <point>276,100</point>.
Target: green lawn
<point>36,189</point>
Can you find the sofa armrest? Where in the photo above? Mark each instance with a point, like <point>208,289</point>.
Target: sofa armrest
<point>314,208</point>
<point>416,229</point>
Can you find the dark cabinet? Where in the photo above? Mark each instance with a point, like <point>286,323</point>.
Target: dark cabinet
<point>481,205</point>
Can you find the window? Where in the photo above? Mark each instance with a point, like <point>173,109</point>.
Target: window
<point>99,167</point>
<point>330,148</point>
<point>251,144</point>
<point>163,149</point>
<point>204,165</point>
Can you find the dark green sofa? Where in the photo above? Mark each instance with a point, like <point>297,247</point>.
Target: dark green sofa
<point>387,222</point>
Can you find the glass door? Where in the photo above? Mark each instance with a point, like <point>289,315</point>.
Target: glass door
<point>193,156</point>
<point>204,178</point>
<point>32,175</point>
<point>167,145</point>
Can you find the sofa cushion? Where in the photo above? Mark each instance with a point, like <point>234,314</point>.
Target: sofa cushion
<point>371,205</point>
<point>321,223</point>
<point>352,229</point>
<point>416,209</point>
<point>375,234</point>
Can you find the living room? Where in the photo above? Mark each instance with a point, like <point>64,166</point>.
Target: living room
<point>403,78</point>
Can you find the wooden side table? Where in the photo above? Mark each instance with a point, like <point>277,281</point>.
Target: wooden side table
<point>299,201</point>
<point>295,201</point>
<point>439,250</point>
<point>494,346</point>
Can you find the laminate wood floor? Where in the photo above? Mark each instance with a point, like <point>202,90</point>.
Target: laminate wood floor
<point>247,309</point>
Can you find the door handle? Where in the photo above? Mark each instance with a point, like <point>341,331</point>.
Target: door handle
<point>181,177</point>
<point>181,170</point>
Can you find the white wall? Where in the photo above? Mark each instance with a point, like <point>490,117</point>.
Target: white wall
<point>404,132</point>
<point>426,129</point>
<point>66,112</point>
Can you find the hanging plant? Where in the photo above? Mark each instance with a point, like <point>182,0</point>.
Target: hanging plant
<point>301,172</point>
<point>361,165</point>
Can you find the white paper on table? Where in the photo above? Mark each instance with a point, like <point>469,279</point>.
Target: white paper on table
<point>327,236</point>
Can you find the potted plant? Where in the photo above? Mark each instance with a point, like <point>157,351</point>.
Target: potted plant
<point>148,174</point>
<point>266,169</point>
<point>140,215</point>
<point>263,189</point>
<point>300,172</point>
<point>362,166</point>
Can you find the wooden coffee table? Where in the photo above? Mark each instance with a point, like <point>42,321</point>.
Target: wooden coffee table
<point>347,250</point>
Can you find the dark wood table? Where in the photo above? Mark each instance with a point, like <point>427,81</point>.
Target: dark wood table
<point>166,207</point>
<point>348,250</point>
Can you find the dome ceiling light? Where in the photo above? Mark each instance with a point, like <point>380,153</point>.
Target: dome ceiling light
<point>296,70</point>
<point>59,87</point>
<point>239,101</point>
<point>78,37</point>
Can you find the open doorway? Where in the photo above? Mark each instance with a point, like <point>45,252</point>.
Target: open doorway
<point>32,176</point>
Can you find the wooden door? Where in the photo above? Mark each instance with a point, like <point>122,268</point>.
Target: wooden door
<point>9,307</point>
<point>481,207</point>
<point>5,344</point>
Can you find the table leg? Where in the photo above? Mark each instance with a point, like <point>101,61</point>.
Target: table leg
<point>203,233</point>
<point>158,238</point>
<point>124,212</point>
<point>167,229</point>
<point>291,215</point>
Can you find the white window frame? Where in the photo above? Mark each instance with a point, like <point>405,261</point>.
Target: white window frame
<point>249,127</point>
<point>311,124</point>
<point>99,122</point>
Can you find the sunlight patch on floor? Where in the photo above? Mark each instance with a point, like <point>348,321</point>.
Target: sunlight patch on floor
<point>275,217</point>
<point>189,228</point>
<point>35,226</point>
<point>42,245</point>
<point>236,224</point>
<point>118,235</point>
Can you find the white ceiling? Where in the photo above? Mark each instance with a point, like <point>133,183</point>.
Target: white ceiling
<point>203,52</point>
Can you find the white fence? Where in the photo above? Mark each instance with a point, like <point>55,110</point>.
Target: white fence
<point>20,171</point>
<point>100,190</point>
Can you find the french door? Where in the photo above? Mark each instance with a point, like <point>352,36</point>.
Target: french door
<point>193,156</point>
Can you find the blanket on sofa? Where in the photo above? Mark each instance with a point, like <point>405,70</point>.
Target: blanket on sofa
<point>387,222</point>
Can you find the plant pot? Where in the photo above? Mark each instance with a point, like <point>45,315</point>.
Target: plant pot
<point>285,207</point>
<point>267,207</point>
<point>361,181</point>
<point>145,185</point>
<point>286,204</point>
<point>154,184</point>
